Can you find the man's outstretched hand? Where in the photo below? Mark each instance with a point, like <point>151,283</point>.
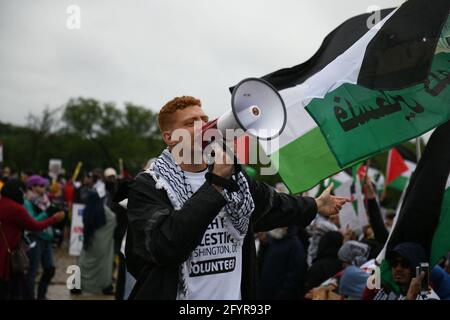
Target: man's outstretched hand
<point>328,205</point>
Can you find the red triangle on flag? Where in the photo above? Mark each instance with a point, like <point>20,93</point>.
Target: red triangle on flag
<point>396,165</point>
<point>362,171</point>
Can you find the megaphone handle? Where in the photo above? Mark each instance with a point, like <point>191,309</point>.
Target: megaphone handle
<point>237,167</point>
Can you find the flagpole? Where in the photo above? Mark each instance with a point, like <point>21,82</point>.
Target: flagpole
<point>76,172</point>
<point>383,194</point>
<point>418,153</point>
<point>121,173</point>
<point>382,254</point>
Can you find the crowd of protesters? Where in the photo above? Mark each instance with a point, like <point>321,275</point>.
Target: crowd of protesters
<point>35,219</point>
<point>324,261</point>
<point>327,261</point>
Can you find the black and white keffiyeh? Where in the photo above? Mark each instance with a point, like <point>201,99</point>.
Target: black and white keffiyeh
<point>237,211</point>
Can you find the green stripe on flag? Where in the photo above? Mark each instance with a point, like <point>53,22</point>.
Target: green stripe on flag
<point>387,280</point>
<point>398,183</point>
<point>305,161</point>
<point>358,122</point>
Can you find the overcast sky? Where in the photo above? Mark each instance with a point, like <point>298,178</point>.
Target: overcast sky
<point>148,51</point>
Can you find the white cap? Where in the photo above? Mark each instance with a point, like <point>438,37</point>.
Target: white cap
<point>109,172</point>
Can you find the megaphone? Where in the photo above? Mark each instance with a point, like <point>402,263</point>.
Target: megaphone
<point>256,107</point>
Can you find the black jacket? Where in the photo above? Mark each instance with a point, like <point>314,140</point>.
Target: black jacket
<point>283,268</point>
<point>162,240</point>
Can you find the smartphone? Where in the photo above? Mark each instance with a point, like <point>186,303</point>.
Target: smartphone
<point>424,267</point>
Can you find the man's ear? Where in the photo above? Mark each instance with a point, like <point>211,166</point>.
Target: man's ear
<point>167,138</point>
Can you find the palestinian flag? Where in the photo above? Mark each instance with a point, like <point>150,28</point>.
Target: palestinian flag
<point>395,168</point>
<point>362,92</point>
<point>424,217</point>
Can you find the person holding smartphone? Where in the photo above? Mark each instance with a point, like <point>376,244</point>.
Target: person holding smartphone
<point>405,262</point>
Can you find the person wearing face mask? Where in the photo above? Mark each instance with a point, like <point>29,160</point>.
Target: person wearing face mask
<point>14,219</point>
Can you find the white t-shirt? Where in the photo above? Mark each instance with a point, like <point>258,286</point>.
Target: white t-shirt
<point>216,264</point>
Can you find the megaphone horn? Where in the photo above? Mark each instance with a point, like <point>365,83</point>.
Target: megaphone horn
<point>256,107</point>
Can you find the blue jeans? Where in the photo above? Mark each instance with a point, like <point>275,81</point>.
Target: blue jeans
<point>42,253</point>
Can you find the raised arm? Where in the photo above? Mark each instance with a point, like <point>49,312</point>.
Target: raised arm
<point>31,210</point>
<point>25,221</point>
<point>275,209</point>
<point>373,209</point>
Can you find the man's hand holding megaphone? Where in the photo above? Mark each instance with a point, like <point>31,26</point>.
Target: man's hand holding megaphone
<point>223,166</point>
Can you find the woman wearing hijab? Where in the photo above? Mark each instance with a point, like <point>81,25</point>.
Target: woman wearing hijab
<point>327,263</point>
<point>96,259</point>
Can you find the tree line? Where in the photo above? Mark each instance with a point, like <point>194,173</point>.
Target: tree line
<point>96,133</point>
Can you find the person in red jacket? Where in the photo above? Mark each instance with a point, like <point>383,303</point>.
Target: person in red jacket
<point>14,219</point>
